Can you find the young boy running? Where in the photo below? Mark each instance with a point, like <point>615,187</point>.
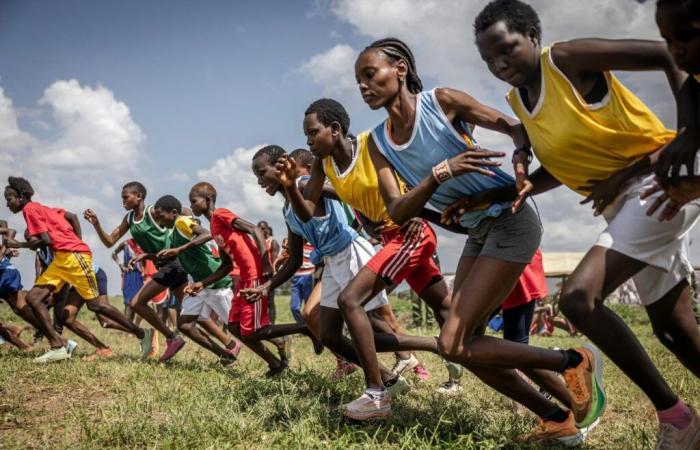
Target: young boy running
<point>248,319</point>
<point>187,242</point>
<point>72,264</point>
<point>151,237</point>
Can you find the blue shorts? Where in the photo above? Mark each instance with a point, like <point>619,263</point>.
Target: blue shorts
<point>10,281</point>
<point>101,277</point>
<point>131,283</point>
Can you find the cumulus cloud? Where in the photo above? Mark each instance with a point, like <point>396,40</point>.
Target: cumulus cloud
<point>237,187</point>
<point>12,138</point>
<point>95,130</point>
<point>332,69</point>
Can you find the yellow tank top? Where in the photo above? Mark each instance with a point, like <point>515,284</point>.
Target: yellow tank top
<point>577,142</point>
<point>358,185</point>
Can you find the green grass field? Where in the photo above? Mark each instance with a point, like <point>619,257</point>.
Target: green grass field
<point>195,403</point>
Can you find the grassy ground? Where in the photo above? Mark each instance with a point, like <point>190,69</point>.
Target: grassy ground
<point>195,403</point>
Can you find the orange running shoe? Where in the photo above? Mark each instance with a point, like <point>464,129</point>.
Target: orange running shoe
<point>585,385</point>
<point>565,432</point>
<point>99,353</point>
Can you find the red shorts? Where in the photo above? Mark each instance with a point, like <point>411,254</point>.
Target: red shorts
<point>249,316</point>
<point>532,284</point>
<point>410,260</point>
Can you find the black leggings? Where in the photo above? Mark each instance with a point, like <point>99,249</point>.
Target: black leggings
<point>517,321</point>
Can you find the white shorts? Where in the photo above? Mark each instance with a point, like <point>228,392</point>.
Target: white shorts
<point>342,267</point>
<point>661,245</point>
<point>208,300</point>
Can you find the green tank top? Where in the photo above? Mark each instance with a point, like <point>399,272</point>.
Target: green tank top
<point>150,236</point>
<point>199,261</point>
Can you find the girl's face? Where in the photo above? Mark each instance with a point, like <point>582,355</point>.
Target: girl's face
<point>320,138</point>
<point>13,200</point>
<point>510,56</point>
<point>198,203</point>
<point>682,35</point>
<point>265,172</point>
<point>378,77</point>
<point>130,199</point>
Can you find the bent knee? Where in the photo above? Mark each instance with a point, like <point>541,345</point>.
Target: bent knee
<point>575,302</point>
<point>449,348</point>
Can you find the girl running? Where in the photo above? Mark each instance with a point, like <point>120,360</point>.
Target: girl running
<point>425,140</point>
<point>585,127</point>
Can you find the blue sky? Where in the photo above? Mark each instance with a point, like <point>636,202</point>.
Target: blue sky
<point>94,94</point>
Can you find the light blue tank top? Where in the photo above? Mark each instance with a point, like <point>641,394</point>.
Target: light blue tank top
<point>435,139</point>
<point>329,234</point>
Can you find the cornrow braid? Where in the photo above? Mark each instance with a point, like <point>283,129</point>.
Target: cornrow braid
<point>396,50</point>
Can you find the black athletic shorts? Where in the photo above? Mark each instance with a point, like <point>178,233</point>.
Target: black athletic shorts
<point>516,322</point>
<point>170,274</point>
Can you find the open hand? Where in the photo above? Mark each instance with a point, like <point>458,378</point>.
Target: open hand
<point>601,193</point>
<point>90,216</point>
<point>286,171</point>
<point>474,160</point>
<point>681,151</point>
<point>193,289</point>
<point>168,253</point>
<point>252,295</point>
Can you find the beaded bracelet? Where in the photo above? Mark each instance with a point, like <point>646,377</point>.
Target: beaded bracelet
<point>442,172</point>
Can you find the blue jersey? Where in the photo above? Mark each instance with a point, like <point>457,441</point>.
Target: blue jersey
<point>435,139</point>
<point>329,234</point>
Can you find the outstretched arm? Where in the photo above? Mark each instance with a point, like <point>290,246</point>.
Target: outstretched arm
<point>107,239</point>
<point>258,237</point>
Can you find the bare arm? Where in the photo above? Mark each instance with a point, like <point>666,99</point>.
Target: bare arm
<point>258,237</point>
<point>115,253</point>
<point>304,205</point>
<point>224,269</point>
<point>328,191</point>
<point>107,239</point>
<point>295,248</point>
<point>40,240</point>
<point>74,223</point>
<point>581,57</point>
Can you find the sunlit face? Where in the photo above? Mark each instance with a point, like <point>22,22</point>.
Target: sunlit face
<point>265,172</point>
<point>511,56</point>
<point>131,199</point>
<point>378,77</point>
<point>13,200</point>
<point>320,138</point>
<point>164,217</point>
<point>199,204</point>
<point>682,35</point>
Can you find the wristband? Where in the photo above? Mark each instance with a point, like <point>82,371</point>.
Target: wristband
<point>527,151</point>
<point>442,172</point>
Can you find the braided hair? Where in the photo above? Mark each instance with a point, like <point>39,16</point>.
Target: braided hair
<point>397,50</point>
<point>21,186</point>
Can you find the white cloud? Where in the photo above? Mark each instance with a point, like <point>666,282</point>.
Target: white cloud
<point>237,187</point>
<point>180,176</point>
<point>95,130</point>
<point>332,69</point>
<point>12,139</point>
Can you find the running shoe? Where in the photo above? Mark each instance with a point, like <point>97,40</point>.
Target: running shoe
<point>421,372</point>
<point>146,343</point>
<point>585,385</point>
<point>53,355</point>
<point>368,407</point>
<point>449,387</point>
<point>343,369</point>
<point>565,432</point>
<point>99,353</point>
<point>174,345</point>
<point>71,345</point>
<point>231,354</point>
<point>397,387</point>
<point>404,365</point>
<point>454,370</point>
<point>671,438</point>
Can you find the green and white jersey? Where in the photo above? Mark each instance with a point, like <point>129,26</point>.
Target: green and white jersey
<point>198,261</point>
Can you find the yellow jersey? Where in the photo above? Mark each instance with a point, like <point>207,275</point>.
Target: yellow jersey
<point>358,185</point>
<point>577,142</point>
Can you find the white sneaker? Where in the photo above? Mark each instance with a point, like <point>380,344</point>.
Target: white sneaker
<point>399,387</point>
<point>70,347</point>
<point>454,370</point>
<point>56,354</point>
<point>671,438</point>
<point>449,387</point>
<point>146,342</point>
<point>404,365</point>
<point>365,408</point>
